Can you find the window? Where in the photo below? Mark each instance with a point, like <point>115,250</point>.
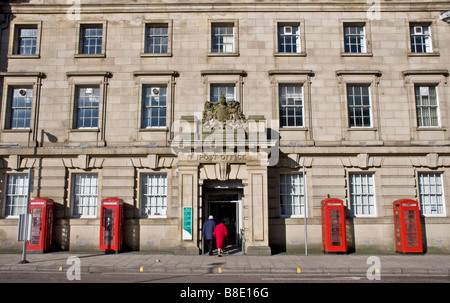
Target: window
<point>87,117</point>
<point>354,39</point>
<point>154,195</point>
<point>154,106</point>
<point>426,106</point>
<point>19,108</point>
<point>87,106</point>
<point>84,195</point>
<point>359,93</point>
<point>292,195</point>
<point>156,39</point>
<point>91,39</point>
<point>420,36</point>
<point>431,194</point>
<point>26,40</point>
<point>228,90</point>
<point>222,38</point>
<point>16,196</point>
<point>291,105</point>
<point>362,197</point>
<point>358,101</point>
<point>289,38</point>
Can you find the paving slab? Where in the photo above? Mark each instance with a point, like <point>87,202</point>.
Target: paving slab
<point>353,264</point>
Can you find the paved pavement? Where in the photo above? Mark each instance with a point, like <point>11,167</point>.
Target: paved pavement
<point>134,262</point>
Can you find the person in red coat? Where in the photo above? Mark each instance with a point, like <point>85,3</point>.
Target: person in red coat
<point>221,233</point>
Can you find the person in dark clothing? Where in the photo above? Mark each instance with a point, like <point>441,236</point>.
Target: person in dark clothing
<point>208,230</point>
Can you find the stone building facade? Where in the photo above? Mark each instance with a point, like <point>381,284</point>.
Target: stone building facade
<point>111,100</point>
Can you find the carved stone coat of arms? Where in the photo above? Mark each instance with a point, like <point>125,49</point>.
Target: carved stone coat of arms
<point>223,114</point>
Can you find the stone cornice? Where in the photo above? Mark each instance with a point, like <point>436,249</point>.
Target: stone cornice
<point>443,72</point>
<point>307,151</point>
<point>291,72</point>
<point>359,72</point>
<point>242,73</point>
<point>156,73</point>
<point>89,74</point>
<point>22,74</point>
<point>223,6</point>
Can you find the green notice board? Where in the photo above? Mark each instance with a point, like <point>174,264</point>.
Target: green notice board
<point>187,223</point>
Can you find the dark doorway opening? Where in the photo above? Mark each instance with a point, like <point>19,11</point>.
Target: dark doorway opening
<point>226,211</point>
<point>225,204</point>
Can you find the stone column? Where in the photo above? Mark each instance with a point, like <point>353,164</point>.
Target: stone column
<point>256,212</point>
<point>188,193</point>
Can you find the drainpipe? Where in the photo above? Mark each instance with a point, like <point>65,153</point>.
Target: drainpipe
<point>306,209</point>
<point>4,24</point>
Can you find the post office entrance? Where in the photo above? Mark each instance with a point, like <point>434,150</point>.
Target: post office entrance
<point>226,205</point>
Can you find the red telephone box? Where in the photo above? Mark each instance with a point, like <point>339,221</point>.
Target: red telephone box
<point>408,233</point>
<point>334,238</point>
<point>111,226</point>
<point>41,210</point>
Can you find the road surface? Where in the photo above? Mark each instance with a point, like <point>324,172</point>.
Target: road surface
<point>62,277</point>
